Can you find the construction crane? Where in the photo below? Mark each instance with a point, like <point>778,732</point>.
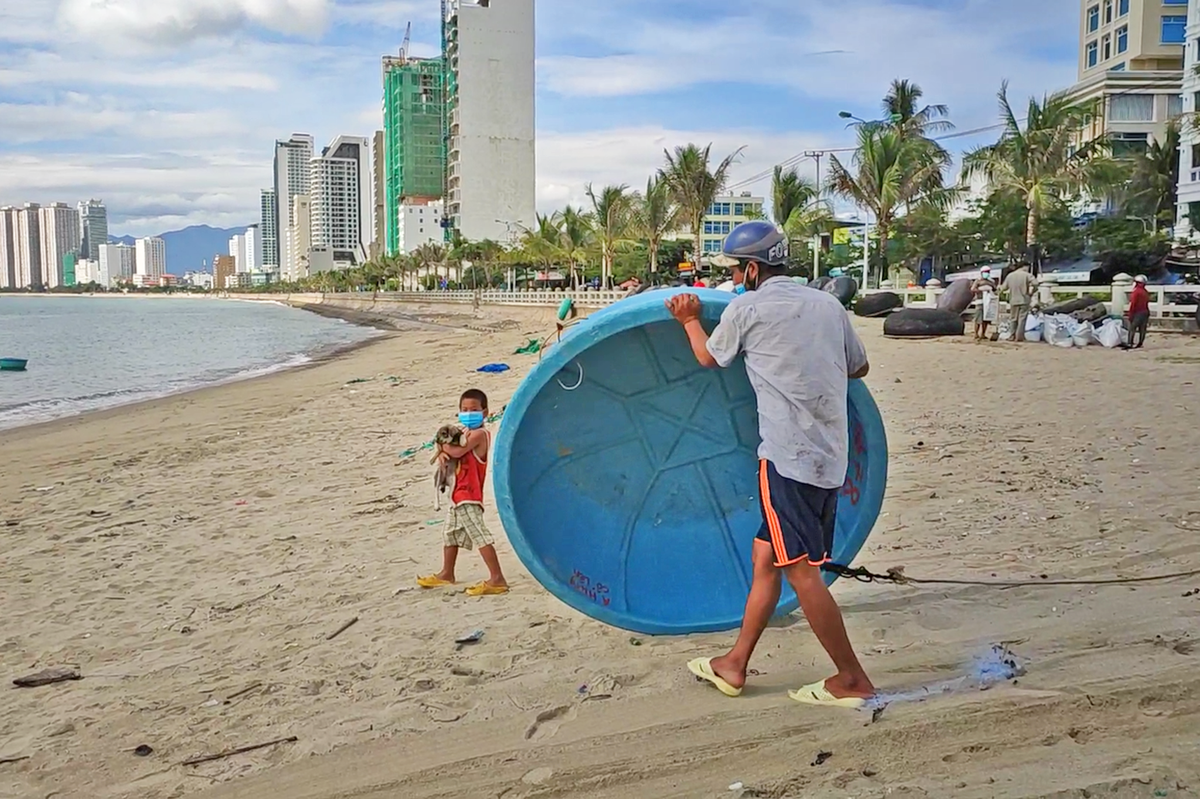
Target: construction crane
<point>404,44</point>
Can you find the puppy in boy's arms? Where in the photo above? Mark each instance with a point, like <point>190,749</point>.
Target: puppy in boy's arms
<point>443,475</point>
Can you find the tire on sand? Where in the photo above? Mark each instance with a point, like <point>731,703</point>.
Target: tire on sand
<point>1071,306</point>
<point>819,283</point>
<point>844,288</point>
<point>878,304</point>
<point>956,297</point>
<point>922,323</point>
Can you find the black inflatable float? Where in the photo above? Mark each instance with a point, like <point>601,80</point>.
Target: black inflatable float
<point>1091,313</point>
<point>844,288</point>
<point>878,304</point>
<point>956,297</point>
<point>1071,306</point>
<point>923,322</point>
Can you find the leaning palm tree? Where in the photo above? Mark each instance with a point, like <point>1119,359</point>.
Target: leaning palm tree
<point>1040,163</point>
<point>790,193</point>
<point>655,215</point>
<point>611,217</point>
<point>694,185</point>
<point>888,171</point>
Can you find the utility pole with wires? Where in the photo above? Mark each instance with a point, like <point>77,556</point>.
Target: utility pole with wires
<point>816,240</point>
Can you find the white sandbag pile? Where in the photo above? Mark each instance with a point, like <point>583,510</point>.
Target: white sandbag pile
<point>1063,330</point>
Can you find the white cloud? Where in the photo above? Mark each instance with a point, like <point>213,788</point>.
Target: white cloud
<point>567,162</point>
<point>393,14</point>
<point>171,22</point>
<point>842,52</point>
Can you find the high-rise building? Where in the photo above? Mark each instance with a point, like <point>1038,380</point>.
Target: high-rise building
<point>300,235</point>
<point>414,157</point>
<point>252,256</point>
<point>379,198</point>
<point>489,85</point>
<point>293,175</point>
<point>151,257</point>
<point>224,267</point>
<point>237,251</point>
<point>58,224</point>
<point>29,247</point>
<point>116,264</point>
<point>341,198</point>
<point>270,230</point>
<point>1188,190</point>
<point>93,228</point>
<point>8,248</point>
<point>1130,70</point>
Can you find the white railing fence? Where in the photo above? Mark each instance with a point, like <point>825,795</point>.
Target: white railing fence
<point>1166,301</point>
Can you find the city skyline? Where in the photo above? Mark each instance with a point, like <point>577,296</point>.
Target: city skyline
<point>171,123</point>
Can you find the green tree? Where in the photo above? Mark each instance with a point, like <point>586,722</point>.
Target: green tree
<point>1154,179</point>
<point>612,217</point>
<point>889,170</point>
<point>695,185</point>
<point>790,193</point>
<point>655,215</point>
<point>1040,164</point>
<point>575,239</point>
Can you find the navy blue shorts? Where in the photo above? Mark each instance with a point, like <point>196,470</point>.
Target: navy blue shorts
<point>798,518</point>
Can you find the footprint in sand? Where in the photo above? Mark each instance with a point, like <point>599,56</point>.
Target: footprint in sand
<point>547,723</point>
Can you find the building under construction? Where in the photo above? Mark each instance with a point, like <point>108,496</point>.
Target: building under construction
<point>414,159</point>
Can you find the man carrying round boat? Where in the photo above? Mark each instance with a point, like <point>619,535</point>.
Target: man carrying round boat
<point>800,348</point>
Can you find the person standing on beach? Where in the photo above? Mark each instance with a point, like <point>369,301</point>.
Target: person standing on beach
<point>465,528</point>
<point>800,348</point>
<point>1019,285</point>
<point>984,290</point>
<point>1139,312</point>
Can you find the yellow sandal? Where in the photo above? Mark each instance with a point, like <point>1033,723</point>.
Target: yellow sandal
<point>433,581</point>
<point>486,589</point>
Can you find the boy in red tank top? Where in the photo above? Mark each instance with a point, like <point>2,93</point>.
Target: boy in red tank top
<point>464,523</point>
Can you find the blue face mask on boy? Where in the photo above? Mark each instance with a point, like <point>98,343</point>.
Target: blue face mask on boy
<point>472,420</point>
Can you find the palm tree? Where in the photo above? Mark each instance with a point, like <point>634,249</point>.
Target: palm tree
<point>901,104</point>
<point>575,239</point>
<point>890,170</point>
<point>655,215</point>
<point>611,214</point>
<point>1040,164</point>
<point>1155,178</point>
<point>694,186</point>
<point>790,193</point>
<point>429,258</point>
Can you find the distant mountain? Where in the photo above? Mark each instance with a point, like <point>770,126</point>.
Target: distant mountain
<point>193,247</point>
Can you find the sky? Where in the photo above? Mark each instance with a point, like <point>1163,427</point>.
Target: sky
<point>168,109</point>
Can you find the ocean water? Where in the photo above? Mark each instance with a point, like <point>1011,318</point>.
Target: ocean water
<point>87,353</point>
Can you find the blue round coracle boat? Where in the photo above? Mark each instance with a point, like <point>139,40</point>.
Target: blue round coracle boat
<point>626,475</point>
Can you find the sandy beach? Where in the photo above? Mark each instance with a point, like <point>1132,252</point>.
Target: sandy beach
<point>191,557</point>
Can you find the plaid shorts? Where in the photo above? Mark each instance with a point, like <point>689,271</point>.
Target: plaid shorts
<point>465,528</point>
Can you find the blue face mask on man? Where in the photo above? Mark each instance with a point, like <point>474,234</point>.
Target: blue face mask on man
<point>739,289</point>
<point>472,420</point>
